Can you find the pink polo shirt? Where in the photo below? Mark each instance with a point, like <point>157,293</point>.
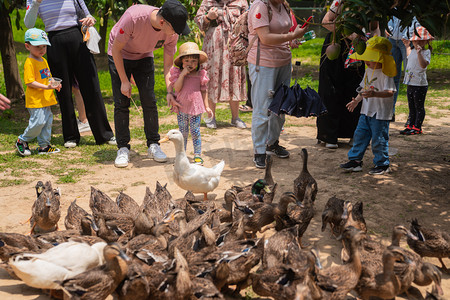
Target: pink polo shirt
<point>135,29</point>
<point>270,55</point>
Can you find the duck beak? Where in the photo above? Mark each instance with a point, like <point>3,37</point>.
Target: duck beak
<point>165,139</point>
<point>267,189</point>
<point>48,203</point>
<point>411,236</point>
<point>94,226</point>
<point>124,256</point>
<point>169,218</point>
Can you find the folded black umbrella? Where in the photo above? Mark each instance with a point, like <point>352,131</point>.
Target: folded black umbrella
<point>298,102</point>
<point>278,98</point>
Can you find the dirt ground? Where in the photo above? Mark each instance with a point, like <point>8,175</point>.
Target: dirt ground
<point>418,187</point>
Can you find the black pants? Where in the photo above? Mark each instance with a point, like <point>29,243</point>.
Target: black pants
<point>68,56</point>
<point>143,71</point>
<point>416,103</point>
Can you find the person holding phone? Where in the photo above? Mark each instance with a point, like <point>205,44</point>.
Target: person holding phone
<point>268,70</point>
<point>227,82</point>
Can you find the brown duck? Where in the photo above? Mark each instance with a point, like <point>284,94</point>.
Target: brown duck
<point>337,281</point>
<point>304,179</point>
<point>332,215</point>
<point>257,215</point>
<point>386,285</point>
<point>79,219</point>
<point>46,212</point>
<point>430,243</point>
<point>101,281</point>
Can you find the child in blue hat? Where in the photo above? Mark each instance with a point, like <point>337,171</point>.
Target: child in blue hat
<point>39,95</point>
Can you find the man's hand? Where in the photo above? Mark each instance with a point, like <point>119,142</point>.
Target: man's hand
<point>172,103</point>
<point>125,88</point>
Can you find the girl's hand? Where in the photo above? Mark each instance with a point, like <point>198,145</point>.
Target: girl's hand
<point>88,21</point>
<point>352,105</point>
<point>186,70</point>
<point>418,48</point>
<point>210,112</point>
<point>212,13</point>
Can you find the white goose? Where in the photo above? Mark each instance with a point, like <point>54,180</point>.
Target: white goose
<point>192,177</point>
<point>41,270</point>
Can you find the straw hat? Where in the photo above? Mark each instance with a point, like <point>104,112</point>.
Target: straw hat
<point>424,35</point>
<point>379,50</point>
<point>189,48</point>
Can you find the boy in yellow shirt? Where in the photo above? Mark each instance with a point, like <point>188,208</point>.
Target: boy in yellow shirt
<point>39,96</point>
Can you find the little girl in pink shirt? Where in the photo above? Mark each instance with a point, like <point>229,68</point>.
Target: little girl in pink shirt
<point>190,85</point>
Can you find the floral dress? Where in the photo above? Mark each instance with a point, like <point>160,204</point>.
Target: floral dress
<point>227,82</point>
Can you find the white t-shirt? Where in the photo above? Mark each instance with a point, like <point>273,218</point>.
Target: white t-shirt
<point>381,107</point>
<point>414,73</point>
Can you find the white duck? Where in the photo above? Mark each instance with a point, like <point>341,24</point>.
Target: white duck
<point>192,177</point>
<point>41,270</point>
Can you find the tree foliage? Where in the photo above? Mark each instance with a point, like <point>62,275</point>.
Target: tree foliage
<point>432,14</point>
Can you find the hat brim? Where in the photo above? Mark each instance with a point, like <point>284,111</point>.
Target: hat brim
<point>389,67</point>
<point>186,30</point>
<point>203,58</point>
<point>39,43</point>
<point>368,55</point>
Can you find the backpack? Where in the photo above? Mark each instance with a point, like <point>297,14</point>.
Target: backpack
<point>238,43</point>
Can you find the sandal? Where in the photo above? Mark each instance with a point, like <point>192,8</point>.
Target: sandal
<point>245,108</point>
<point>198,160</point>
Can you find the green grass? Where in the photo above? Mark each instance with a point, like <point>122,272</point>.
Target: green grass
<point>70,166</point>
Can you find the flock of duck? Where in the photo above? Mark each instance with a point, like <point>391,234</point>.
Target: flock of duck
<point>189,249</point>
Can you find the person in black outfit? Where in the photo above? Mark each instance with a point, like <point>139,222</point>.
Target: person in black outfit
<point>337,86</point>
<point>68,57</point>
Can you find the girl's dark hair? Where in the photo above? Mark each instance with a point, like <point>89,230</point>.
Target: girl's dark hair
<point>197,56</point>
<point>429,46</point>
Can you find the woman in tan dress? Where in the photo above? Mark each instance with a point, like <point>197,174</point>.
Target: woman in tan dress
<point>227,82</point>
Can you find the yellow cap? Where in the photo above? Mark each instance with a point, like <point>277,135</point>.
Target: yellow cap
<point>379,50</point>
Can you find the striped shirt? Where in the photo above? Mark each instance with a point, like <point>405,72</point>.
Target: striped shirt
<point>56,14</point>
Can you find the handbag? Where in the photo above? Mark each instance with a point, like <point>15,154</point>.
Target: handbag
<point>79,11</point>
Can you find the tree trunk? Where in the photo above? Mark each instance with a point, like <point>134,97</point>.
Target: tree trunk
<point>104,28</point>
<point>13,83</point>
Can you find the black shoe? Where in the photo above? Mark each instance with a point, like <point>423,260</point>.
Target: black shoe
<point>260,161</point>
<point>278,150</point>
<point>406,130</point>
<point>47,150</point>
<point>352,166</point>
<point>22,147</point>
<point>380,170</point>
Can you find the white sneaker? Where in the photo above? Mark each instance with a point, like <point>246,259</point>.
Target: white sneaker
<point>155,152</point>
<point>83,127</point>
<point>112,141</point>
<point>331,146</point>
<point>70,144</point>
<point>238,123</point>
<point>122,158</point>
